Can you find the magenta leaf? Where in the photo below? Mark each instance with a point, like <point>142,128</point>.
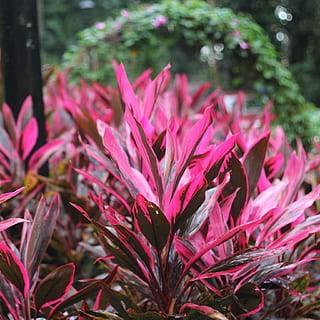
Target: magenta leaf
<point>4,225</point>
<point>13,269</point>
<point>9,195</point>
<point>127,94</point>
<point>54,286</point>
<point>29,137</point>
<point>44,153</point>
<point>142,250</point>
<point>134,180</point>
<point>146,152</point>
<point>189,146</point>
<point>222,239</point>
<point>217,156</point>
<point>154,89</point>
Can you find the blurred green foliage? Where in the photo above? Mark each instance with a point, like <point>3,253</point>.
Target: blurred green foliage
<point>63,19</point>
<point>247,58</point>
<point>304,36</point>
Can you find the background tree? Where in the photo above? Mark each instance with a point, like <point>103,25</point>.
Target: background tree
<point>21,58</point>
<point>294,27</point>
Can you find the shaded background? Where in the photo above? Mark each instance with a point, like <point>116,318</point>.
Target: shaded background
<point>293,27</point>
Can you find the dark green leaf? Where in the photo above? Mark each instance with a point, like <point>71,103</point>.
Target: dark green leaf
<point>238,183</point>
<point>254,159</point>
<point>184,219</point>
<point>146,316</point>
<point>247,300</point>
<point>41,232</point>
<point>99,315</point>
<point>13,269</point>
<point>152,222</point>
<point>54,286</point>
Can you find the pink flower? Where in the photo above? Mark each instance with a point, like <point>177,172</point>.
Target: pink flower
<point>244,45</point>
<point>159,21</point>
<point>125,13</point>
<point>236,33</point>
<point>100,25</point>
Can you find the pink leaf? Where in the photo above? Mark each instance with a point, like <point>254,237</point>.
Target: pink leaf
<point>153,90</point>
<point>189,146</point>
<point>134,180</point>
<point>4,225</point>
<point>216,242</point>
<point>127,94</point>
<point>44,153</point>
<point>29,137</point>
<point>293,211</point>
<point>146,152</point>
<point>7,196</point>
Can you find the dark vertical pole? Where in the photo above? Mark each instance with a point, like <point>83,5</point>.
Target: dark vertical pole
<point>21,58</point>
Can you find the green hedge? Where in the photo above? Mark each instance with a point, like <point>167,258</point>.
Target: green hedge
<point>138,39</point>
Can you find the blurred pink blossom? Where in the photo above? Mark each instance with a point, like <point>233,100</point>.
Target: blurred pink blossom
<point>160,21</point>
<point>125,13</point>
<point>236,33</point>
<point>244,45</point>
<point>100,25</point>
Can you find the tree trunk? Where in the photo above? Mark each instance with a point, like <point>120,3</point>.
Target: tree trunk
<point>21,58</point>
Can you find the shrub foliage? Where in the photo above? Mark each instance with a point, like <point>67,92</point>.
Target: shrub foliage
<point>182,207</point>
<point>151,35</point>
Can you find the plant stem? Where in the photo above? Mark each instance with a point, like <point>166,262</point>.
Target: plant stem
<point>27,313</point>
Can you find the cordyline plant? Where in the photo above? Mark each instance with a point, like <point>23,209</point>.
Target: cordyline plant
<point>19,162</point>
<point>205,229</point>
<point>21,292</point>
<point>198,212</point>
